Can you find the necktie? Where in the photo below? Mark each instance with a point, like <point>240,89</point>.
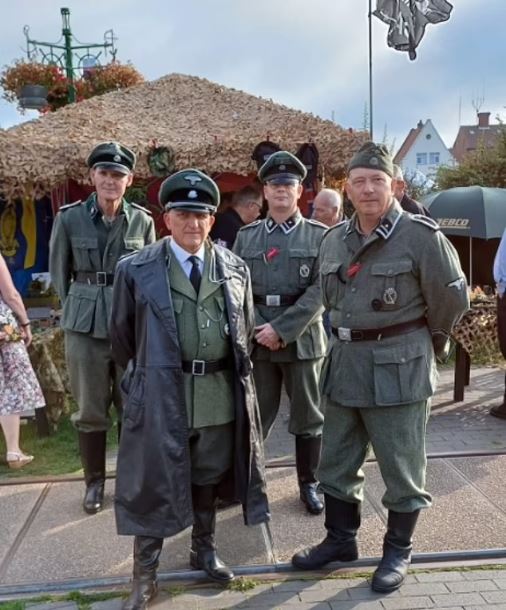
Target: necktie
<point>195,275</point>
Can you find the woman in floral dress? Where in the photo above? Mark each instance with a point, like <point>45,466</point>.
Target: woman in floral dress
<point>19,389</point>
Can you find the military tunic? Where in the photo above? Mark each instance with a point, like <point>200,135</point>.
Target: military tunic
<point>82,243</point>
<point>283,261</point>
<point>377,391</point>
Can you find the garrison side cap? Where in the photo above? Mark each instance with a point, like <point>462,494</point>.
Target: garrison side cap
<point>113,156</point>
<point>191,190</point>
<point>373,156</point>
<point>282,168</point>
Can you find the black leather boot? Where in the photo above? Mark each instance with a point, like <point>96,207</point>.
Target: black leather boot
<point>92,450</point>
<point>342,520</point>
<point>203,552</point>
<point>144,586</point>
<point>393,567</point>
<point>500,410</point>
<point>307,455</point>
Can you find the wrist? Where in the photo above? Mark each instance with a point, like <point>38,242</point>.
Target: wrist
<point>25,324</point>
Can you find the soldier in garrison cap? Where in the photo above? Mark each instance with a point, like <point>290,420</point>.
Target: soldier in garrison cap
<point>182,323</point>
<point>282,254</point>
<point>394,289</point>
<point>87,240</point>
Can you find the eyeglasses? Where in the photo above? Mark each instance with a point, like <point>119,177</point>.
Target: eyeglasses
<point>256,204</point>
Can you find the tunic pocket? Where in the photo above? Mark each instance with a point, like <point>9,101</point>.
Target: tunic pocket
<point>83,250</point>
<point>391,283</point>
<point>332,286</point>
<point>78,313</point>
<point>254,259</point>
<point>301,266</point>
<point>401,374</point>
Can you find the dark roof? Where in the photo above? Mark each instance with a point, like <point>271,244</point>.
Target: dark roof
<point>472,137</point>
<point>408,143</point>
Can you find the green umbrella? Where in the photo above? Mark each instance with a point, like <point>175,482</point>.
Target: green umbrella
<point>473,211</point>
<point>476,211</point>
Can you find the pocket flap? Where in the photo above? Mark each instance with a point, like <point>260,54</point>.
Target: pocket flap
<point>392,268</point>
<point>134,244</point>
<point>250,253</point>
<point>84,242</point>
<point>398,354</point>
<point>303,252</point>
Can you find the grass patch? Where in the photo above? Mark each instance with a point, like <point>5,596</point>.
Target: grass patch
<point>242,584</point>
<point>82,600</point>
<point>56,454</point>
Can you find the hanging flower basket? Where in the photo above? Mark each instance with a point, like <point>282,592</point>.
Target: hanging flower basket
<point>33,97</point>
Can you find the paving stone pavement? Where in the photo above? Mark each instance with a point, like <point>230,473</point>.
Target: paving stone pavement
<point>45,538</point>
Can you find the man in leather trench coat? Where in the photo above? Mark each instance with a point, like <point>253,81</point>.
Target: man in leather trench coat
<point>182,320</point>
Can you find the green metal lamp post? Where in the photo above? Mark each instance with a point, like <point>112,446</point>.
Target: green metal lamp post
<point>69,54</point>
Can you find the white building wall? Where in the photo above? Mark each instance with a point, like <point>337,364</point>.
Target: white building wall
<point>427,153</point>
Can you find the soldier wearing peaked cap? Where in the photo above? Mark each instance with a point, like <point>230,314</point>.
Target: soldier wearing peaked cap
<point>282,254</point>
<point>182,322</point>
<point>87,240</point>
<point>385,275</point>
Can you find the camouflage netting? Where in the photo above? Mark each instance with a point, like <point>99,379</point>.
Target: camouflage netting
<point>205,124</point>
<point>48,361</point>
<point>477,331</point>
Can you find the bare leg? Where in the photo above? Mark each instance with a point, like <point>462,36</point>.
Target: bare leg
<point>10,427</point>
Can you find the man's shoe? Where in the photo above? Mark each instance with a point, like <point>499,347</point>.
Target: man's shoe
<point>144,589</point>
<point>310,498</point>
<point>498,411</point>
<point>94,497</point>
<point>208,560</point>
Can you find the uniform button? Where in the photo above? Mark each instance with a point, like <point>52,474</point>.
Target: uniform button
<point>201,308</point>
<point>348,315</point>
<point>204,344</point>
<point>354,289</point>
<point>403,359</point>
<point>202,326</point>
<point>390,271</point>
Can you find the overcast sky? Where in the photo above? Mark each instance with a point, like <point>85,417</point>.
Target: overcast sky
<point>311,55</point>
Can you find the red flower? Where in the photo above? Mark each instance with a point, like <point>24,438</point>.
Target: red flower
<point>272,253</point>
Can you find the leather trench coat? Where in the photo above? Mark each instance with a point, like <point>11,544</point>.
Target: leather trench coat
<point>153,484</point>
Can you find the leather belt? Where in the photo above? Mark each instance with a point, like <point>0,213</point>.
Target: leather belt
<point>275,300</point>
<point>376,334</point>
<point>205,367</point>
<point>96,278</point>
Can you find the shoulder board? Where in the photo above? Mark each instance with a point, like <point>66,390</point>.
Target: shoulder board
<point>425,220</point>
<point>137,206</point>
<point>316,223</point>
<point>69,205</point>
<point>251,225</point>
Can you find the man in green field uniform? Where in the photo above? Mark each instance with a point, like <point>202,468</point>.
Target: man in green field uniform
<point>87,240</point>
<point>394,289</point>
<point>182,322</point>
<point>281,252</point>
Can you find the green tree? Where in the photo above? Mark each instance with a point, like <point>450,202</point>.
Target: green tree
<point>483,167</point>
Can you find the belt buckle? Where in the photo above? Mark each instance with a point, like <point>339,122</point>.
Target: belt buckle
<point>198,367</point>
<point>273,300</point>
<point>344,334</point>
<point>101,278</point>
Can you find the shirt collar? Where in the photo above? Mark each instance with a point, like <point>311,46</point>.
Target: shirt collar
<point>287,226</point>
<point>96,212</point>
<point>182,255</point>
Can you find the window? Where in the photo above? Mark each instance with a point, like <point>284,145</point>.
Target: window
<point>433,158</point>
<point>421,158</point>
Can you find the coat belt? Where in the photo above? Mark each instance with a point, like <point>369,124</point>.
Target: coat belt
<point>205,367</point>
<point>97,278</point>
<point>275,300</point>
<point>376,334</point>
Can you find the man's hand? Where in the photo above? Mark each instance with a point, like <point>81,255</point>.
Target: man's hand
<point>265,335</point>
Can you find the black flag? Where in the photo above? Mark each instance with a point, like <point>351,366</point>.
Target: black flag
<point>407,20</point>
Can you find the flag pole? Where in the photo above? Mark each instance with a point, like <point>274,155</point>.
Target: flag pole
<point>370,71</point>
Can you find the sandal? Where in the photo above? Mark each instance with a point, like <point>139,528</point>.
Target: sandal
<point>17,460</point>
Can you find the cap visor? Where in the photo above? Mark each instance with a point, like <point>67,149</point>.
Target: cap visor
<point>114,167</point>
<point>190,207</point>
<point>283,179</point>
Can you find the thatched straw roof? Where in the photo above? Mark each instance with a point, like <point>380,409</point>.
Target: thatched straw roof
<point>207,125</point>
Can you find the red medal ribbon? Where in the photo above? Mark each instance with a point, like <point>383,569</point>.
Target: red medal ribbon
<point>353,269</point>
<point>272,253</point>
